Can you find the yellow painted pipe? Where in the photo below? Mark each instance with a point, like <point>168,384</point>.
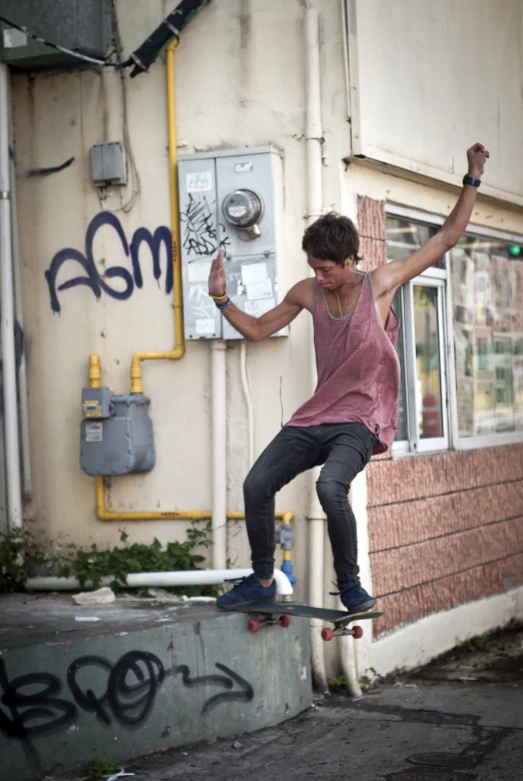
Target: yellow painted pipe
<point>95,372</point>
<point>168,515</point>
<point>179,344</point>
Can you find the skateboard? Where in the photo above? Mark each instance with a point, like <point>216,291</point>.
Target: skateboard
<point>281,612</point>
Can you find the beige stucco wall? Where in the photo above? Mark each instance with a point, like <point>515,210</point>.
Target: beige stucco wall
<point>240,81</point>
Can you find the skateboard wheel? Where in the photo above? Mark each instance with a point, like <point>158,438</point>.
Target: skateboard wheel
<point>327,634</point>
<point>253,625</point>
<point>285,621</point>
<point>357,632</point>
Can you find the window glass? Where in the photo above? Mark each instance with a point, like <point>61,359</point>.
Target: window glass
<point>487,293</point>
<point>428,362</point>
<point>405,237</point>
<point>403,431</point>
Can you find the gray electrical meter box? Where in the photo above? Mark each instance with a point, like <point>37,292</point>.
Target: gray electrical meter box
<point>79,25</point>
<point>116,434</point>
<point>232,200</point>
<point>107,164</point>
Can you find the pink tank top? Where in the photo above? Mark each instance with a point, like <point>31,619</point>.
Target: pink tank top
<point>358,368</point>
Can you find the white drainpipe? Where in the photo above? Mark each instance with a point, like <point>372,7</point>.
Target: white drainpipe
<point>14,499</point>
<point>315,516</point>
<point>161,579</point>
<point>27,478</point>
<point>219,453</point>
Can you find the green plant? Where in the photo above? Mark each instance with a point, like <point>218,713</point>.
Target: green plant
<point>481,643</point>
<point>102,767</point>
<point>19,555</point>
<point>368,680</point>
<point>337,682</point>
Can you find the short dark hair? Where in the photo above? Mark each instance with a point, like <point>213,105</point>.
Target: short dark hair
<point>332,237</point>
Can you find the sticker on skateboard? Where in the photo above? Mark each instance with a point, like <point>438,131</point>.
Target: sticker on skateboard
<point>281,612</point>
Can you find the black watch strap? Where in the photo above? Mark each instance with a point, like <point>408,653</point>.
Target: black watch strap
<point>471,180</point>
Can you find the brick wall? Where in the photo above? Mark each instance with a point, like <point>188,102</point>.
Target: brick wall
<point>444,529</point>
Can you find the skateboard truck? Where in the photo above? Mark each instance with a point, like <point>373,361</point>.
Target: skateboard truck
<point>327,633</point>
<point>254,624</point>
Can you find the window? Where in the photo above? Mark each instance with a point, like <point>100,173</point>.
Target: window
<point>461,339</point>
<point>487,293</point>
<point>421,305</point>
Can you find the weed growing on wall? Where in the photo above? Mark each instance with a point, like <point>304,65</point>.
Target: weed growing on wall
<point>21,556</point>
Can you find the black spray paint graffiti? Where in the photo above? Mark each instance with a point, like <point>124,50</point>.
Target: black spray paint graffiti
<point>92,278</point>
<point>200,236</point>
<point>30,704</point>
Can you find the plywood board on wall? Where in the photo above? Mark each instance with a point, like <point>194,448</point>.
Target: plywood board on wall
<point>429,79</point>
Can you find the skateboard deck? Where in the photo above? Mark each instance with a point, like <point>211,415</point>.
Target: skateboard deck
<point>277,612</point>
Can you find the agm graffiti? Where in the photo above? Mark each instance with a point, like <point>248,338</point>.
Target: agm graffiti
<point>92,278</point>
<point>32,705</point>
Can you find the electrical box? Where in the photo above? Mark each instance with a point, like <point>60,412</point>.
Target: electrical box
<point>232,200</point>
<point>116,434</point>
<point>107,164</point>
<point>79,25</point>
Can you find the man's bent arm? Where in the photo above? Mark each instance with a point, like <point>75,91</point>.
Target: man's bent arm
<point>254,329</point>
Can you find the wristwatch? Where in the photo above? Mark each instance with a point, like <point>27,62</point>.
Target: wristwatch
<point>471,180</point>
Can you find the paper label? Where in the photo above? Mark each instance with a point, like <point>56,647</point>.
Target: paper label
<point>198,271</point>
<point>205,327</point>
<point>243,168</point>
<point>254,272</point>
<point>199,182</point>
<point>262,289</point>
<point>94,432</point>
<point>258,308</point>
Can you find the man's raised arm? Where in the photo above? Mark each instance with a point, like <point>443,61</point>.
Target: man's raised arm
<point>388,278</point>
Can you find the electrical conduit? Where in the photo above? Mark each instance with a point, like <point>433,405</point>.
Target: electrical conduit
<point>27,478</point>
<point>12,454</point>
<point>179,346</point>
<point>316,516</point>
<point>159,580</point>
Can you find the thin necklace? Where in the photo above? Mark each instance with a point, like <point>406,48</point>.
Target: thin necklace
<point>339,301</point>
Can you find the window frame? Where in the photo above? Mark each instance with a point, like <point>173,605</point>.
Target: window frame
<point>451,425</point>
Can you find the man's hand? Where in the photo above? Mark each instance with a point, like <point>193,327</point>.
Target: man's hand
<point>217,279</point>
<point>477,156</point>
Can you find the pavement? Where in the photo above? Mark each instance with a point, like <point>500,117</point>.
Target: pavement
<point>458,719</point>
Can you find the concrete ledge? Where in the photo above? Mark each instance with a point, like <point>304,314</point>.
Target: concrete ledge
<point>142,678</point>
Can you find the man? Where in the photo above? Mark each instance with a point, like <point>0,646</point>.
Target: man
<point>353,412</point>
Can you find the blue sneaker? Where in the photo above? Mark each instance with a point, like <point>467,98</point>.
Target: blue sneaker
<point>354,596</point>
<point>245,591</point>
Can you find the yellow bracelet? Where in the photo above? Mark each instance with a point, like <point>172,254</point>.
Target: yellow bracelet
<point>217,298</point>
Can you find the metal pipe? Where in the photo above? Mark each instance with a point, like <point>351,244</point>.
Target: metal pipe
<point>160,579</point>
<point>179,345</point>
<point>315,516</point>
<point>219,453</point>
<point>313,131</point>
<point>27,475</point>
<point>103,514</point>
<point>14,499</point>
<point>248,402</point>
